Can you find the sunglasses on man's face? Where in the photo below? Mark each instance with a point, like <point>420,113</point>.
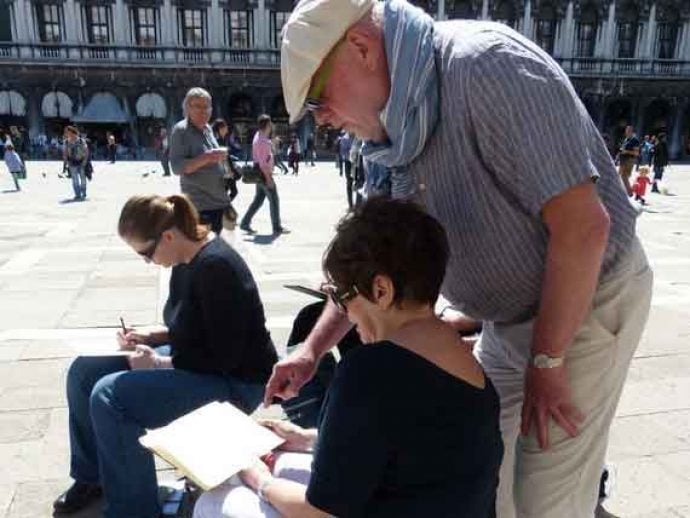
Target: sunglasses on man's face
<point>314,102</point>
<point>150,251</point>
<point>340,297</point>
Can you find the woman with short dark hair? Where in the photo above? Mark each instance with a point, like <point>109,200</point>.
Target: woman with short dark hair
<point>410,424</point>
<point>214,347</point>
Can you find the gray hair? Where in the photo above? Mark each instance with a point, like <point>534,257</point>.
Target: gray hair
<point>195,93</point>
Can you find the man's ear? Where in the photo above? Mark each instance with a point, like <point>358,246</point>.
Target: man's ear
<point>168,235</point>
<point>383,291</point>
<point>362,43</point>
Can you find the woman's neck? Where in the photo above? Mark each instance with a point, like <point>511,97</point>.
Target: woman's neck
<point>191,248</point>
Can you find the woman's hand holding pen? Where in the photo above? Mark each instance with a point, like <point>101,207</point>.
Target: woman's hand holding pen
<point>128,338</point>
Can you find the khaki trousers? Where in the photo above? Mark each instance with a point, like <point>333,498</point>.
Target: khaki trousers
<point>563,481</point>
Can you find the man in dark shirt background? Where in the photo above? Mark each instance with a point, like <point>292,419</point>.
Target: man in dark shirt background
<point>629,151</point>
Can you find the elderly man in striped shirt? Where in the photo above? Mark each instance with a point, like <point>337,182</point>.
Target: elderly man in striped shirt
<point>486,131</point>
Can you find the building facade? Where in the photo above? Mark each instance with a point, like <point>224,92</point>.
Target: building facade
<point>124,65</point>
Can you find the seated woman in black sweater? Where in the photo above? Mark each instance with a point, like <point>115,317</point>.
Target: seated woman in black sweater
<point>410,424</point>
<point>214,346</point>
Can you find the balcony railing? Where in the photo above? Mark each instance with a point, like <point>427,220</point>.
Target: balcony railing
<point>650,68</point>
<point>41,53</point>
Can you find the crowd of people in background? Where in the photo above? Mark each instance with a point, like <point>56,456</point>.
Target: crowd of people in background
<point>642,155</point>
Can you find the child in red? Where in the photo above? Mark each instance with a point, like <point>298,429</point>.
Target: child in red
<point>640,187</point>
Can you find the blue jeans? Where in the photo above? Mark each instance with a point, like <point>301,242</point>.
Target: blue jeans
<point>78,180</point>
<point>110,407</point>
<point>262,191</point>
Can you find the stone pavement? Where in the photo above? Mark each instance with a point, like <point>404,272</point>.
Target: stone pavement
<point>66,278</point>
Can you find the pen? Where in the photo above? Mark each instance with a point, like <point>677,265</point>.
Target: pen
<point>122,323</point>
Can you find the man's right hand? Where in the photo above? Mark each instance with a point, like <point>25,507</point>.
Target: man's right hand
<point>290,374</point>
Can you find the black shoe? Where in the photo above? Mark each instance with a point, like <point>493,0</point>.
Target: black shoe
<point>247,229</point>
<point>281,230</point>
<point>77,497</point>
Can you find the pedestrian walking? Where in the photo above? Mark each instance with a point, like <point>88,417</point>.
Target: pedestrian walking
<point>262,155</point>
<point>628,154</point>
<point>344,147</point>
<point>660,160</point>
<point>222,134</point>
<point>294,155</point>
<point>310,150</point>
<point>15,166</point>
<point>76,156</point>
<point>277,144</point>
<point>112,148</point>
<point>163,150</point>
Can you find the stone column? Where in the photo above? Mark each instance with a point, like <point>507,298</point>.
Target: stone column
<point>684,42</point>
<point>262,24</point>
<point>441,10</point>
<point>675,136</point>
<point>650,34</point>
<point>485,9</point>
<point>567,32</point>
<point>215,18</point>
<point>120,23</point>
<point>168,33</point>
<point>527,21</point>
<point>19,26</point>
<point>72,22</point>
<point>607,47</point>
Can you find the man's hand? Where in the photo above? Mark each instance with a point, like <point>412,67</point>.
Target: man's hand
<point>216,155</point>
<point>144,358</point>
<point>290,374</point>
<point>547,395</point>
<point>129,339</point>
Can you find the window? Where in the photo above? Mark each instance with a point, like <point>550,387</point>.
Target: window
<point>144,24</point>
<point>49,19</point>
<point>98,22</point>
<point>586,39</point>
<point>667,34</point>
<point>278,19</point>
<point>5,22</point>
<point>239,28</point>
<point>460,9</point>
<point>627,39</point>
<point>191,27</point>
<point>546,32</point>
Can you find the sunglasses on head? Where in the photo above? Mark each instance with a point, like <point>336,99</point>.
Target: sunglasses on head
<point>340,297</point>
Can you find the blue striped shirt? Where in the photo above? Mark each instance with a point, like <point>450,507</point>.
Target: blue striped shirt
<point>512,134</point>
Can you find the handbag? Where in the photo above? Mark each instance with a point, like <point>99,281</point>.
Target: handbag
<point>251,174</point>
<point>88,170</point>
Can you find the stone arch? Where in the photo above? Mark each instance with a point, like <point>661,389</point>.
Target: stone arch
<point>657,117</point>
<point>619,113</point>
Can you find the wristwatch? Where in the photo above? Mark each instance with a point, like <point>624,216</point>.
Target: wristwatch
<point>544,361</point>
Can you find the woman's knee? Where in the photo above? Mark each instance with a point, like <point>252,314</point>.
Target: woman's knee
<point>103,398</point>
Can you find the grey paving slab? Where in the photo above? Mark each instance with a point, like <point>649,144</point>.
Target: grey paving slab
<point>23,426</point>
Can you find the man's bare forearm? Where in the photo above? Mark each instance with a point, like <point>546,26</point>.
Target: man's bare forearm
<point>573,264</point>
<point>194,164</point>
<point>331,327</point>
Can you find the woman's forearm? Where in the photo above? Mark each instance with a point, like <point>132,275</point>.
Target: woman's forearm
<point>290,499</point>
<point>159,336</point>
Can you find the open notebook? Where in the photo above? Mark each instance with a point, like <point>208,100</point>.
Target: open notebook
<point>212,443</point>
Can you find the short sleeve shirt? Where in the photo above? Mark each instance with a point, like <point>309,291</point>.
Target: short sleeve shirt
<point>205,186</point>
<point>399,437</point>
<point>512,135</point>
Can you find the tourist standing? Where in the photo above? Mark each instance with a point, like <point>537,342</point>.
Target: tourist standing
<point>112,148</point>
<point>627,157</point>
<point>196,158</point>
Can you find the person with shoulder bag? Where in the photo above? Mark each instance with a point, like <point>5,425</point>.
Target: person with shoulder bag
<point>76,156</point>
<point>262,155</point>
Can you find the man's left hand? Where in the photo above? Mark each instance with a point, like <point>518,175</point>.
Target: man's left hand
<point>547,395</point>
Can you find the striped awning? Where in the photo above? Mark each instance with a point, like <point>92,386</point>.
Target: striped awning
<point>151,105</point>
<point>57,104</point>
<point>102,108</point>
<point>12,103</point>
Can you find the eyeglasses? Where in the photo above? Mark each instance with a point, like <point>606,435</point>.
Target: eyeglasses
<point>338,297</point>
<point>150,250</point>
<point>313,102</point>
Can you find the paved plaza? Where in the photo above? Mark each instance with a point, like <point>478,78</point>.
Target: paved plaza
<point>66,278</point>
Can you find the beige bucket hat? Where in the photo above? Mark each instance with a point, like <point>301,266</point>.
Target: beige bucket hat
<point>313,29</point>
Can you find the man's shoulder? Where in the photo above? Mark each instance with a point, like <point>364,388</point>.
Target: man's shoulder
<point>180,126</point>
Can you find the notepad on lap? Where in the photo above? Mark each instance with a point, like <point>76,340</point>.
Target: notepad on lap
<point>212,443</point>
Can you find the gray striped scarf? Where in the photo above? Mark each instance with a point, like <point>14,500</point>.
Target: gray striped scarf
<point>412,109</point>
